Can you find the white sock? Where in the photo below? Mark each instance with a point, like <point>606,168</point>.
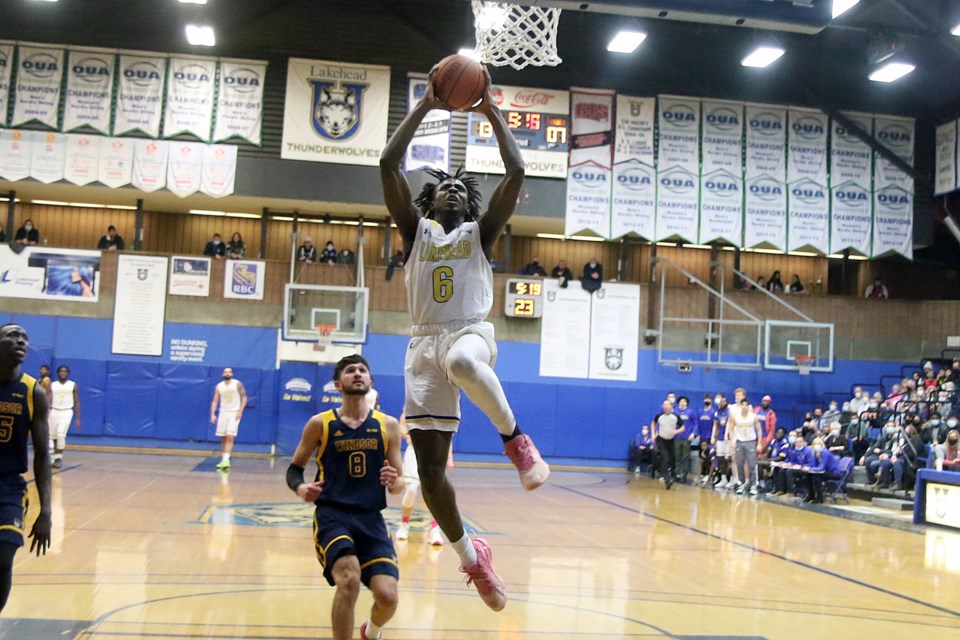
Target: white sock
<point>373,631</point>
<point>226,457</point>
<point>464,549</point>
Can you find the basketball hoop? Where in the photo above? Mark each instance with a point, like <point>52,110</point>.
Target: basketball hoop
<point>508,34</point>
<point>804,363</point>
<point>324,336</point>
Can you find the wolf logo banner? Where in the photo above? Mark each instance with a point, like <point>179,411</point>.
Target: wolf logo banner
<point>613,358</point>
<point>335,112</point>
<point>244,279</point>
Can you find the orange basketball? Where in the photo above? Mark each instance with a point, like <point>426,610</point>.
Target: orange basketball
<point>459,82</point>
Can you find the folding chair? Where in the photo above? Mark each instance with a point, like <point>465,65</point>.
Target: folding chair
<point>835,488</point>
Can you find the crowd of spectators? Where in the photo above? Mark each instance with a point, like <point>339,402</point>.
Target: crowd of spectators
<point>591,277</point>
<point>775,284</point>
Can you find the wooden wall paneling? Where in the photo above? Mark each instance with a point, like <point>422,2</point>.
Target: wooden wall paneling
<point>74,227</point>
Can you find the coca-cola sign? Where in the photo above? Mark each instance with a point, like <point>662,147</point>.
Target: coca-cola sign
<point>529,99</point>
<point>525,99</point>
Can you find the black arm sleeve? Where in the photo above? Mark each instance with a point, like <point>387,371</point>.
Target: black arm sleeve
<point>294,477</point>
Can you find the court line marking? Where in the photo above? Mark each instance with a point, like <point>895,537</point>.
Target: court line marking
<point>766,552</point>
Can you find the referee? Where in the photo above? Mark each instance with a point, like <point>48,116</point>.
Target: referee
<point>666,426</point>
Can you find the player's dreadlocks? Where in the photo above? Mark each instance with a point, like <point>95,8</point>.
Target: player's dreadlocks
<point>424,201</point>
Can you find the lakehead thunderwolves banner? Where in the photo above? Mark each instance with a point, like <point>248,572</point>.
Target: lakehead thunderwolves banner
<point>591,159</point>
<point>808,205</point>
<point>240,100</point>
<point>48,156</point>
<point>721,173</point>
<point>184,167</point>
<point>430,148</point>
<point>851,204</point>
<point>139,95</point>
<point>335,112</point>
<point>946,175</point>
<point>150,164</point>
<point>82,160</point>
<point>678,168</point>
<point>116,162</point>
<point>634,198</point>
<point>89,90</point>
<point>39,74</point>
<point>6,71</point>
<point>893,188</point>
<point>766,177</point>
<point>219,170</point>
<point>190,86</point>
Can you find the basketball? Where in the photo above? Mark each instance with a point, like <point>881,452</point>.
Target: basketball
<point>459,82</point>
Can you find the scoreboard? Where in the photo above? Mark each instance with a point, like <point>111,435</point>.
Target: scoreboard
<point>523,298</point>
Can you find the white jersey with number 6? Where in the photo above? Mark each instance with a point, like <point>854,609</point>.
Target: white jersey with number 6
<point>229,396</point>
<point>449,280</point>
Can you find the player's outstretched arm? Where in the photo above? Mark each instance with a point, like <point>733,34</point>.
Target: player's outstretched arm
<point>40,434</point>
<point>390,473</point>
<point>309,440</point>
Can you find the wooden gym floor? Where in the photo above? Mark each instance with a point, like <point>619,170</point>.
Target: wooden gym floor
<point>164,547</point>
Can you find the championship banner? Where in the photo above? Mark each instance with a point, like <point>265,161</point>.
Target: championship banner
<point>244,279</point>
<point>615,331</point>
<point>150,164</point>
<point>335,112</point>
<point>721,173</point>
<point>89,90</point>
<point>184,167</point>
<point>16,149</point>
<point>6,71</point>
<point>678,168</point>
<point>765,199</point>
<point>190,276</point>
<point>851,220</point>
<point>893,189</point>
<point>116,162</point>
<point>190,87</point>
<point>240,100</point>
<point>634,197</point>
<point>591,157</point>
<point>82,159</point>
<point>139,305</point>
<point>39,273</point>
<point>39,74</point>
<point>219,170</point>
<point>139,95</point>
<point>430,148</point>
<point>49,156</point>
<point>945,179</point>
<point>564,340</point>
<point>538,120</point>
<point>808,218</point>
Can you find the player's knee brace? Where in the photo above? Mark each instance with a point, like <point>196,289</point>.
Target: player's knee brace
<point>410,493</point>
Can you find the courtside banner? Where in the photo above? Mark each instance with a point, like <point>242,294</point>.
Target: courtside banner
<point>39,74</point>
<point>16,149</point>
<point>190,86</point>
<point>335,112</point>
<point>721,173</point>
<point>244,279</point>
<point>190,276</point>
<point>808,207</point>
<point>564,331</point>
<point>430,147</point>
<point>150,164</point>
<point>140,305</point>
<point>49,155</point>
<point>615,331</point>
<point>851,201</point>
<point>634,195</point>
<point>82,160</point>
<point>946,170</point>
<point>219,170</point>
<point>116,162</point>
<point>6,72</point>
<point>678,168</point>
<point>89,90</point>
<point>765,198</point>
<point>139,95</point>
<point>184,167</point>
<point>240,100</point>
<point>893,188</point>
<point>591,159</point>
<point>39,273</point>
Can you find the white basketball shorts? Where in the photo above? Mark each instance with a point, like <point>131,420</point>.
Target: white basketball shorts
<point>227,424</point>
<point>59,422</point>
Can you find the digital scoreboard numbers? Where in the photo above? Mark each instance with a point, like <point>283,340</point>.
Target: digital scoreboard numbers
<point>523,298</point>
<point>539,122</point>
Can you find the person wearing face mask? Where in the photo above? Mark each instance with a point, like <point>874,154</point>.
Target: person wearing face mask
<point>835,441</point>
<point>704,431</point>
<point>831,415</point>
<point>826,466</point>
<point>723,449</point>
<point>880,456</point>
<point>797,457</point>
<point>859,401</point>
<point>329,255</point>
<point>215,248</point>
<point>592,275</point>
<point>27,234</point>
<point>641,451</point>
<point>948,453</point>
<point>776,451</point>
<point>930,430</point>
<point>232,397</point>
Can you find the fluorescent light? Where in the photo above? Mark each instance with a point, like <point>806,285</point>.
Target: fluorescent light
<point>560,236</point>
<point>697,246</point>
<point>200,35</point>
<point>54,203</point>
<point>282,218</point>
<point>666,244</point>
<point>859,258</point>
<point>492,16</point>
<point>45,0</point>
<point>891,71</point>
<point>88,205</point>
<point>805,254</point>
<point>626,41</point>
<point>762,57</point>
<point>471,53</point>
<point>127,207</point>
<point>773,251</point>
<point>956,30</point>
<point>371,224</point>
<point>835,256</point>
<point>207,212</point>
<point>842,6</point>
<point>238,214</point>
<point>192,1</point>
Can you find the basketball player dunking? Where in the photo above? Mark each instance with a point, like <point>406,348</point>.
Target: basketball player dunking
<point>357,450</point>
<point>23,411</point>
<point>450,291</point>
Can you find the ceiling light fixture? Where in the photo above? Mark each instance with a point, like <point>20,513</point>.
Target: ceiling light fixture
<point>956,30</point>
<point>626,41</point>
<point>842,6</point>
<point>891,71</point>
<point>200,35</point>
<point>762,57</point>
<point>473,54</point>
<point>192,1</point>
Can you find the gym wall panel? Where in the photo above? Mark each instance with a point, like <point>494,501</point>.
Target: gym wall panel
<point>132,394</point>
<point>91,379</point>
<point>183,403</point>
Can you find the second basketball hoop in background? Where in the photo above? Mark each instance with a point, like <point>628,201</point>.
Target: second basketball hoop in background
<point>324,337</point>
<point>460,82</point>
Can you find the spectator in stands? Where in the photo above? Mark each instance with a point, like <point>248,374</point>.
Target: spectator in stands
<point>111,241</point>
<point>797,285</point>
<point>3,234</point>
<point>831,415</point>
<point>930,430</point>
<point>836,442</point>
<point>775,285</point>
<point>215,248</point>
<point>761,282</point>
<point>859,401</point>
<point>798,457</point>
<point>776,452</point>
<point>236,248</point>
<point>910,455</point>
<point>811,425</point>
<point>948,454</point>
<point>307,252</point>
<point>329,255</point>
<point>592,275</point>
<point>955,371</point>
<point>704,431</point>
<point>930,379</point>
<point>666,426</point>
<point>347,257</point>
<point>845,416</point>
<point>562,271</point>
<point>896,395</point>
<point>683,444</point>
<point>876,290</point>
<point>641,451</point>
<point>396,261</point>
<point>826,466</point>
<point>880,454</point>
<point>533,269</point>
<point>27,235</point>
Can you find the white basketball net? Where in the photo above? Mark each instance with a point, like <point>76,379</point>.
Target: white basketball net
<point>508,34</point>
<point>324,336</point>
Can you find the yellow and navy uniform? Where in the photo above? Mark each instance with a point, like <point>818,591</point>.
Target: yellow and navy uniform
<point>348,519</point>
<point>16,413</point>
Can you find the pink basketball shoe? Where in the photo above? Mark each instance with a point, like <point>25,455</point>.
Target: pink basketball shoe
<point>525,457</point>
<point>484,578</point>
